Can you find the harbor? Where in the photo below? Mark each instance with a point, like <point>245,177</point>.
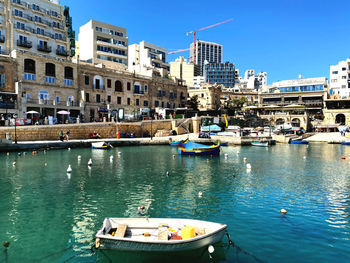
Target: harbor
<point>309,181</point>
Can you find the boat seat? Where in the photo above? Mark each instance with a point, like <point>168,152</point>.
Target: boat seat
<point>121,230</point>
<point>163,231</point>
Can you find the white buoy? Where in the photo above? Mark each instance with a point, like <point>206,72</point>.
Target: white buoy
<point>211,249</point>
<point>283,211</point>
<point>173,156</point>
<point>226,155</point>
<point>200,194</point>
<point>249,166</point>
<point>90,162</point>
<point>79,157</point>
<point>69,170</point>
<point>167,173</point>
<point>68,148</point>
<point>14,164</point>
<point>45,164</point>
<point>111,159</point>
<point>304,157</point>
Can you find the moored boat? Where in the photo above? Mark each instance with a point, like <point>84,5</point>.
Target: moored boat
<point>101,145</point>
<point>178,143</point>
<point>260,144</point>
<point>192,148</point>
<point>347,142</point>
<point>298,142</point>
<point>157,234</point>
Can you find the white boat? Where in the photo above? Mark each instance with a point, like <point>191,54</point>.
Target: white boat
<point>157,234</point>
<point>260,144</point>
<point>101,145</point>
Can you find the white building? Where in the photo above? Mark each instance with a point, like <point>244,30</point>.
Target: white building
<point>251,81</point>
<point>101,43</point>
<point>182,69</point>
<point>339,76</point>
<point>37,26</point>
<point>147,59</point>
<point>206,51</point>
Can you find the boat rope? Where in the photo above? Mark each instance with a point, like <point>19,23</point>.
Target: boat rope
<point>239,249</point>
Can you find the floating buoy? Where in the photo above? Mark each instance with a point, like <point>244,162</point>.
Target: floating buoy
<point>8,154</point>
<point>45,164</point>
<point>226,155</point>
<point>69,170</point>
<point>90,162</point>
<point>167,173</point>
<point>33,152</point>
<point>343,157</point>
<point>211,249</point>
<point>244,159</point>
<point>14,164</point>
<point>111,158</point>
<point>79,157</point>
<point>249,166</point>
<point>68,148</point>
<point>6,244</point>
<point>173,156</point>
<point>304,157</point>
<point>19,154</point>
<point>200,194</point>
<point>283,211</point>
<point>142,209</point>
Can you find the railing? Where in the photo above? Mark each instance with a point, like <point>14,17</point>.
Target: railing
<point>27,44</point>
<point>46,49</point>
<point>61,52</point>
<point>99,87</point>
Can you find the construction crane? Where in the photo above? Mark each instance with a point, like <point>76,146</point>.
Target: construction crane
<point>194,39</point>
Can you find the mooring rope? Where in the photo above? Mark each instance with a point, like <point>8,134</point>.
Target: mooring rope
<point>239,249</point>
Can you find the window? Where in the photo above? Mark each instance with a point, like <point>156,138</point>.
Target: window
<point>109,83</point>
<point>146,88</point>
<point>343,77</point>
<point>334,80</point>
<point>334,72</point>
<point>119,100</point>
<point>57,99</point>
<point>87,80</point>
<point>68,73</point>
<point>109,99</point>
<point>128,86</point>
<point>118,86</point>
<point>43,95</point>
<point>129,101</point>
<point>87,97</point>
<point>343,69</point>
<point>137,102</point>
<point>2,81</point>
<point>98,98</point>
<point>156,103</point>
<point>50,69</point>
<point>145,103</point>
<point>29,66</point>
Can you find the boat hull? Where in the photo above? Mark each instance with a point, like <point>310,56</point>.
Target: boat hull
<point>206,151</point>
<point>147,244</point>
<point>345,143</point>
<point>178,143</point>
<point>299,142</point>
<point>260,144</point>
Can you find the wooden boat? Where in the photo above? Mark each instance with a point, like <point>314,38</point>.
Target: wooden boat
<point>260,144</point>
<point>178,143</point>
<point>192,148</point>
<point>101,145</point>
<point>224,144</point>
<point>157,234</point>
<point>347,142</point>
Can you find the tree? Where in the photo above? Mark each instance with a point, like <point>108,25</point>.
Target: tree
<point>193,102</point>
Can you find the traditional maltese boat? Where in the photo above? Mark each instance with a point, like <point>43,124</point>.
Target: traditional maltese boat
<point>157,234</point>
<point>101,145</point>
<point>192,148</point>
<point>178,143</point>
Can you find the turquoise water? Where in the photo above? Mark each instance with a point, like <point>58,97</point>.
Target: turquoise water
<point>50,217</point>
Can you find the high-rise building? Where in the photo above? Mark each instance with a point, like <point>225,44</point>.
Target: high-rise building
<point>183,70</point>
<point>206,51</point>
<point>38,26</point>
<point>339,75</point>
<point>220,73</point>
<point>147,59</point>
<point>101,43</point>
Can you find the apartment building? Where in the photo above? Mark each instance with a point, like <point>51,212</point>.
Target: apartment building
<point>106,92</point>
<point>339,76</point>
<point>184,70</point>
<point>208,96</point>
<point>102,43</point>
<point>220,73</point>
<point>8,95</point>
<point>206,51</point>
<point>251,81</point>
<point>35,26</point>
<point>148,59</point>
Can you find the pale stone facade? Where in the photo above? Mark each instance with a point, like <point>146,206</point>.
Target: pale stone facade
<point>8,95</point>
<point>106,91</point>
<point>208,96</point>
<point>183,70</point>
<point>47,85</point>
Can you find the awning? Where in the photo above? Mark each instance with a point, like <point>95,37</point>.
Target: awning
<point>312,96</point>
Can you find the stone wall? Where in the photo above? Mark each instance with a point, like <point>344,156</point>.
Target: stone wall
<point>83,131</point>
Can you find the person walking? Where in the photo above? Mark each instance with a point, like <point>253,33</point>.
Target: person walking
<point>61,136</point>
<point>67,135</point>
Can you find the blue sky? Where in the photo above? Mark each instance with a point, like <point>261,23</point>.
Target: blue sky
<point>285,38</point>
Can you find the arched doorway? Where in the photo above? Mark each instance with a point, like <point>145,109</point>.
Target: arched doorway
<point>280,121</point>
<point>340,119</point>
<point>295,122</point>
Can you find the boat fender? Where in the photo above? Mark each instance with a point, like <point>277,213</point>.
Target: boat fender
<point>211,249</point>
<point>147,234</point>
<point>343,157</point>
<point>97,243</point>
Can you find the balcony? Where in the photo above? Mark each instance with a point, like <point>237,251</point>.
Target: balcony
<point>26,44</point>
<point>61,52</point>
<point>45,49</point>
<point>2,39</point>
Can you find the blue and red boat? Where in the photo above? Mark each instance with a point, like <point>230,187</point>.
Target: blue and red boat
<point>191,148</point>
